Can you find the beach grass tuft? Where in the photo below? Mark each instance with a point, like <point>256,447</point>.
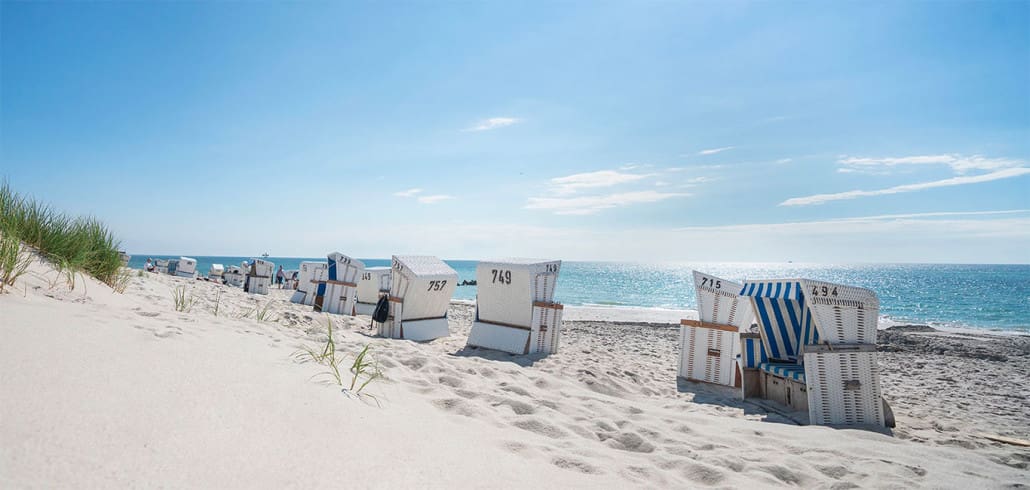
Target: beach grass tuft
<point>14,260</point>
<point>183,301</point>
<point>264,313</point>
<point>364,369</point>
<point>365,366</point>
<point>75,244</point>
<point>218,301</point>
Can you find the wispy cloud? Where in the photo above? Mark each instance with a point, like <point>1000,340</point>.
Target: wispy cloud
<point>783,161</point>
<point>954,181</point>
<point>959,163</point>
<point>571,184</point>
<point>584,205</point>
<point>493,123</point>
<point>434,198</point>
<point>715,150</point>
<point>408,193</point>
<point>431,199</point>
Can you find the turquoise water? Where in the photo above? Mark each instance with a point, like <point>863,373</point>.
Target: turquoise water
<point>978,296</point>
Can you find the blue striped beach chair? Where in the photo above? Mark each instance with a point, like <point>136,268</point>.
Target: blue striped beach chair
<point>338,292</point>
<point>815,350</point>
<point>307,281</point>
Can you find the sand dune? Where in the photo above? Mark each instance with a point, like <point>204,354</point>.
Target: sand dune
<point>102,389</point>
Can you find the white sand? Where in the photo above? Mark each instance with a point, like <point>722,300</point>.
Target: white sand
<point>102,390</point>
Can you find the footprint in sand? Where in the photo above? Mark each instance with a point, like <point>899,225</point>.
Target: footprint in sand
<point>450,381</point>
<point>575,465</point>
<point>626,441</point>
<point>456,405</point>
<point>519,407</point>
<point>540,427</point>
<point>703,474</point>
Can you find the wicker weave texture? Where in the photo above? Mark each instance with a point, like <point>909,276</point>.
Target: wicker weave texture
<point>843,388</point>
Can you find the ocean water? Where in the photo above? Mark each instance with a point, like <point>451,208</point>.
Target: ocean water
<point>993,297</point>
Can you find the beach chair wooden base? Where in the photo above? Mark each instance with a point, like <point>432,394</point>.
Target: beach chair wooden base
<point>751,383</point>
<point>787,392</point>
<point>364,308</point>
<point>505,338</point>
<point>417,330</point>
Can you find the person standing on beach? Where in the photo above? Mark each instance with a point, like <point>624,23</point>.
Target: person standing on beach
<point>279,277</point>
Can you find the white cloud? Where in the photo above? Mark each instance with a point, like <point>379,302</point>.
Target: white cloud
<point>959,237</point>
<point>591,180</point>
<point>584,205</point>
<point>715,150</point>
<point>434,198</point>
<point>959,163</point>
<point>954,181</point>
<point>407,193</point>
<point>783,161</point>
<point>493,123</point>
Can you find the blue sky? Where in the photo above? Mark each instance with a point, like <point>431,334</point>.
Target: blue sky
<point>883,131</point>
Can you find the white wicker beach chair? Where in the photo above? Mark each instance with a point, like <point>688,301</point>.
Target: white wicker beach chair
<point>515,308</point>
<point>258,277</point>
<point>161,265</point>
<point>709,346</point>
<point>308,277</point>
<point>420,293</point>
<point>234,275</point>
<point>818,343</point>
<point>338,292</point>
<point>186,267</point>
<point>374,282</point>
<point>216,273</point>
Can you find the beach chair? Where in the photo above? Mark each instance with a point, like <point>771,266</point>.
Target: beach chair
<point>161,266</point>
<point>338,291</point>
<point>310,273</point>
<point>515,308</point>
<point>186,267</point>
<point>374,282</point>
<point>817,343</point>
<point>234,275</point>
<point>709,346</point>
<point>420,293</point>
<point>258,277</point>
<point>216,273</point>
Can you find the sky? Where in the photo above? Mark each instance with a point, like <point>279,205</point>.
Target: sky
<point>626,131</point>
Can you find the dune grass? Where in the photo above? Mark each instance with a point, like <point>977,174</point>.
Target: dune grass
<point>14,260</point>
<point>72,243</point>
<point>183,301</point>
<point>364,369</point>
<point>264,313</point>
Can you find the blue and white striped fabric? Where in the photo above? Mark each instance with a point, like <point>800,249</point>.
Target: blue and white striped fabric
<point>332,270</point>
<point>752,353</point>
<point>785,321</point>
<point>790,290</point>
<point>330,275</point>
<point>790,371</point>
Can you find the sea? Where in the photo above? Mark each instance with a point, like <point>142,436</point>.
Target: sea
<point>963,296</point>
